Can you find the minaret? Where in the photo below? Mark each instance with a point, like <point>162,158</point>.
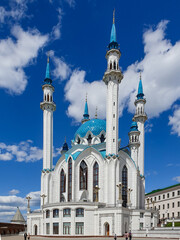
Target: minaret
<point>86,113</point>
<point>48,107</point>
<point>112,78</point>
<point>140,117</point>
<point>134,142</point>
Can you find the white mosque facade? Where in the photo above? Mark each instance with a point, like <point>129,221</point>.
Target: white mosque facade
<point>97,187</point>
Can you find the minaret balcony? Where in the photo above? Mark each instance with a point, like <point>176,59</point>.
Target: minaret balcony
<point>111,75</point>
<point>48,105</point>
<point>142,116</point>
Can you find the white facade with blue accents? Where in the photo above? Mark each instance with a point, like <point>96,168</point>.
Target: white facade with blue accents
<point>97,186</point>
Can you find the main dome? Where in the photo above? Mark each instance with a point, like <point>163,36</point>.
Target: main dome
<point>96,126</point>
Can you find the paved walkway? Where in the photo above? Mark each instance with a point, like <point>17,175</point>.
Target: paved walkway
<point>17,237</point>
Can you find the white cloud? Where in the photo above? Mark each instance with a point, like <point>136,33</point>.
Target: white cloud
<point>23,152</point>
<point>160,76</point>
<point>56,31</point>
<point>75,92</point>
<point>177,179</point>
<point>9,204</point>
<point>15,11</point>
<point>62,70</point>
<point>174,121</point>
<point>17,54</point>
<point>14,192</point>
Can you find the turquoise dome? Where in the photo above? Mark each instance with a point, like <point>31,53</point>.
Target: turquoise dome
<point>134,127</point>
<point>95,126</point>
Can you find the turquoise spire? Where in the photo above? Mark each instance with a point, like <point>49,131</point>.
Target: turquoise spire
<point>113,30</point>
<point>140,94</point>
<point>47,79</point>
<point>113,40</point>
<point>86,112</point>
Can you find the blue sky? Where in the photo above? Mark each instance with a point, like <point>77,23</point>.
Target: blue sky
<point>77,34</point>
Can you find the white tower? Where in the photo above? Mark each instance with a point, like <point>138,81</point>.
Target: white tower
<point>140,117</point>
<point>134,149</point>
<point>48,107</point>
<point>112,78</point>
<point>134,142</point>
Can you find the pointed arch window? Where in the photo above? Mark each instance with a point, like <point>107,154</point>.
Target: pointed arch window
<point>51,98</point>
<point>89,139</point>
<point>110,65</point>
<point>62,185</point>
<point>83,175</point>
<point>95,178</point>
<point>78,140</point>
<point>102,138</point>
<point>114,65</point>
<point>125,185</point>
<point>69,180</point>
<point>48,97</point>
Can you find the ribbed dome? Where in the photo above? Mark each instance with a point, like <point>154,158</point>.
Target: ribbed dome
<point>94,125</point>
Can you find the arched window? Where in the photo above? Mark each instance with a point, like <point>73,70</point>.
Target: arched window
<point>95,179</point>
<point>114,65</point>
<point>51,98</point>
<point>70,180</point>
<point>83,175</point>
<point>117,66</point>
<point>55,213</point>
<point>62,185</point>
<point>102,138</point>
<point>66,212</point>
<point>48,97</point>
<point>44,97</point>
<point>141,110</point>
<point>47,213</point>
<point>78,140</point>
<point>125,185</point>
<point>89,139</point>
<point>80,212</point>
<point>110,65</point>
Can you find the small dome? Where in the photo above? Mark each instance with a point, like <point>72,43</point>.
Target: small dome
<point>96,126</point>
<point>134,127</point>
<point>65,146</point>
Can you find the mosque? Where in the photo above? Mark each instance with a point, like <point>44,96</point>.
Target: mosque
<point>97,186</point>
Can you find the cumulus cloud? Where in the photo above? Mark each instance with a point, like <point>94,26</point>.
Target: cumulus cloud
<point>9,204</point>
<point>25,151</point>
<point>17,54</point>
<point>13,192</point>
<point>75,92</point>
<point>160,77</point>
<point>62,69</point>
<point>174,121</point>
<point>177,179</point>
<point>22,152</point>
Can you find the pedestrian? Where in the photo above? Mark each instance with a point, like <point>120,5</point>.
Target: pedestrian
<point>28,236</point>
<point>115,237</point>
<point>25,236</point>
<point>126,235</point>
<point>130,235</point>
